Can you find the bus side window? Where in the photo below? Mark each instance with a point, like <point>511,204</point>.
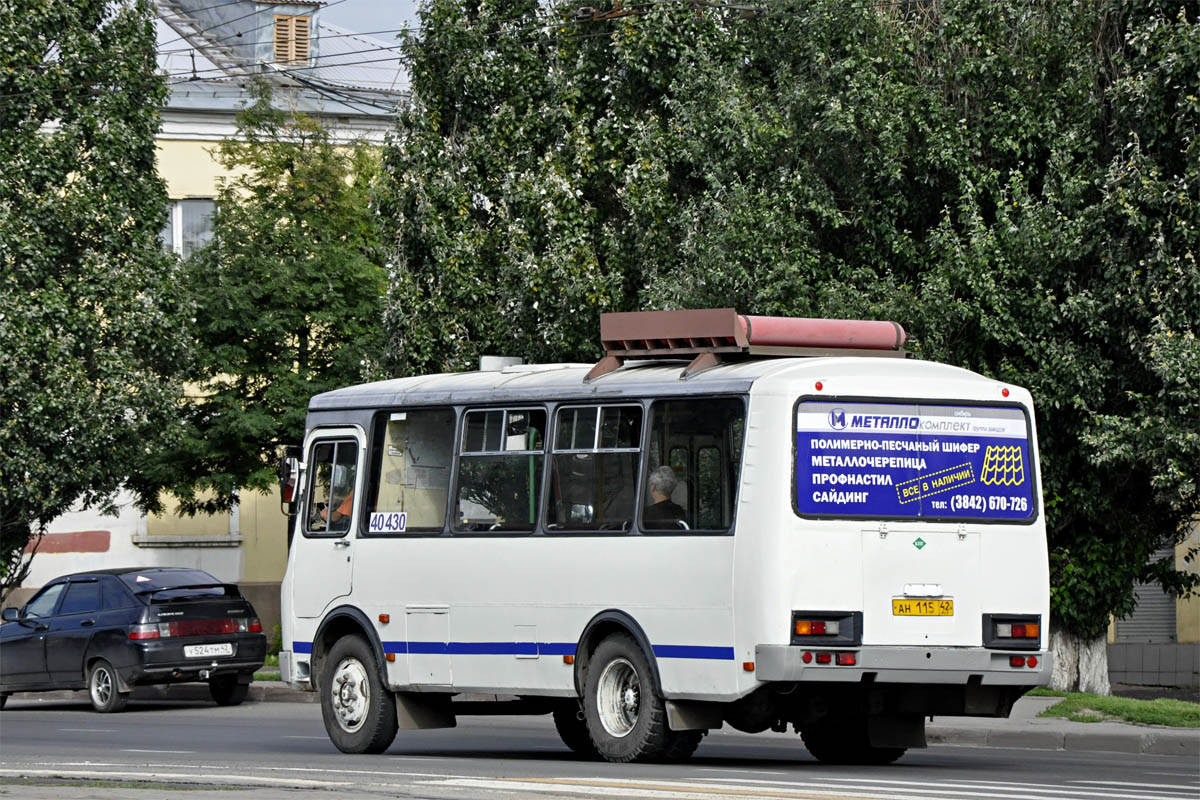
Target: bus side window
<point>700,479</point>
<point>593,482</point>
<point>331,490</point>
<point>500,470</point>
<point>410,471</point>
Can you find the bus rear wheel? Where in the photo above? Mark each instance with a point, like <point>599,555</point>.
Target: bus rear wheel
<point>625,716</point>
<point>847,742</point>
<point>358,710</point>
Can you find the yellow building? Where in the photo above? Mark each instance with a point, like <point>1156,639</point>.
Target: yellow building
<point>211,53</point>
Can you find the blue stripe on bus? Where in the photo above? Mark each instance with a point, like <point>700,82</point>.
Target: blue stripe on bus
<point>532,649</point>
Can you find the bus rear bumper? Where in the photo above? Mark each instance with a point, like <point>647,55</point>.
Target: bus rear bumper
<point>916,665</point>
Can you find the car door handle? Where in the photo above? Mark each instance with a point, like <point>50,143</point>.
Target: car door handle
<point>87,623</point>
<point>342,543</point>
<point>40,628</point>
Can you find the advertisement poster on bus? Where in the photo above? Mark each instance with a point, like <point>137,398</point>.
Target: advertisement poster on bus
<point>914,461</point>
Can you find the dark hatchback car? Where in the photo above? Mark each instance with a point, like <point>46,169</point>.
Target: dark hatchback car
<point>110,630</point>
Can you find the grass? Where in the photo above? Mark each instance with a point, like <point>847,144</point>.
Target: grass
<point>266,676</point>
<point>1081,707</point>
<point>1042,691</point>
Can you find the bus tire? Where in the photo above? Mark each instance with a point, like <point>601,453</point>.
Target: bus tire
<point>358,709</point>
<point>625,716</point>
<point>572,729</point>
<point>847,743</point>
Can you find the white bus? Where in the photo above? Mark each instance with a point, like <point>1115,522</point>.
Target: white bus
<point>760,522</point>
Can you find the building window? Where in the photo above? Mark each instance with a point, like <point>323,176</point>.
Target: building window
<point>189,225</point>
<point>291,40</point>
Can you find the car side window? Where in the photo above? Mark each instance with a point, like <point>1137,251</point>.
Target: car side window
<point>114,596</point>
<point>43,605</point>
<point>81,598</point>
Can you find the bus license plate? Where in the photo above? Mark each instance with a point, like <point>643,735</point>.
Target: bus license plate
<point>922,608</point>
<point>206,650</point>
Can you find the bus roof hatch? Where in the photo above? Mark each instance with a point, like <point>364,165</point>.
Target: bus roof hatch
<point>714,335</point>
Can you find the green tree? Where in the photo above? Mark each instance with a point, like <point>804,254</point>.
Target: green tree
<point>90,319</point>
<point>289,303</point>
<point>1018,184</point>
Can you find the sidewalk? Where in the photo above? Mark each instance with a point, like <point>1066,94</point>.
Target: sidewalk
<point>1022,730</point>
<point>1025,729</point>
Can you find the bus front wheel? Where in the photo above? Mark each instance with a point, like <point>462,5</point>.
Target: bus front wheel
<point>626,718</point>
<point>572,729</point>
<point>358,710</point>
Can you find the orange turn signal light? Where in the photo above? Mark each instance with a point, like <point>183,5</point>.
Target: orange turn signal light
<point>385,618</point>
<point>748,666</point>
<point>390,656</point>
<point>568,659</point>
<point>803,627</point>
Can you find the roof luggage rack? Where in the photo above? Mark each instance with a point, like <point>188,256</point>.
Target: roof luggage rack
<point>712,336</point>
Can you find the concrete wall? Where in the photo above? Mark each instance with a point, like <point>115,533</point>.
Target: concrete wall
<point>1140,664</point>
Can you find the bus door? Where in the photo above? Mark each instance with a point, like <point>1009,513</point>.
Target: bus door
<point>330,518</point>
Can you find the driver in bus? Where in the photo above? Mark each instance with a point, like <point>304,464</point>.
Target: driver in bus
<point>663,512</point>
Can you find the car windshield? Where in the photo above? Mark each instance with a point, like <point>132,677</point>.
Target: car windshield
<point>165,585</point>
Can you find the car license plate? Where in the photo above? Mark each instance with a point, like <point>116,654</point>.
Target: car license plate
<point>206,650</point>
<point>922,608</point>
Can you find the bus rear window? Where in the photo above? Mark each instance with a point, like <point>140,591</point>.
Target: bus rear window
<point>926,461</point>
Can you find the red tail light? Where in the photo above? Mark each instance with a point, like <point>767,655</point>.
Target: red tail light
<point>1016,661</point>
<point>144,632</point>
<point>255,625</point>
<point>824,658</point>
<point>847,659</point>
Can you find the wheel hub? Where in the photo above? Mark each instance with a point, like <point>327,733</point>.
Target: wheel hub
<point>351,695</point>
<point>618,697</point>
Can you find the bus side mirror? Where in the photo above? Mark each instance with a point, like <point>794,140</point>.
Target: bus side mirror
<point>289,480</point>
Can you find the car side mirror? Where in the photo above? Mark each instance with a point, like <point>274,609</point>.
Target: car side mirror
<point>10,615</point>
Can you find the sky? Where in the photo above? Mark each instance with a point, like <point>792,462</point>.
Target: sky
<point>366,16</point>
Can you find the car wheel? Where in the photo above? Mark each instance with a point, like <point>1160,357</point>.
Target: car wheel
<point>358,710</point>
<point>226,691</point>
<point>103,688</point>
<point>626,718</point>
<point>572,729</point>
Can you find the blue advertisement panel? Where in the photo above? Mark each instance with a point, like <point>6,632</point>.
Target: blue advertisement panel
<point>907,460</point>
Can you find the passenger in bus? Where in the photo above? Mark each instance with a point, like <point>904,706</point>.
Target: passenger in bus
<point>663,513</point>
<point>340,518</point>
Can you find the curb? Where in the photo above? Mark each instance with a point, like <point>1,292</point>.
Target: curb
<point>1137,740</point>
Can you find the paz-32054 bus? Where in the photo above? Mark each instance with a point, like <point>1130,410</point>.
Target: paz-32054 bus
<point>760,522</point>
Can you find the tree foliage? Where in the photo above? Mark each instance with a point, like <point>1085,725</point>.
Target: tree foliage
<point>89,312</point>
<point>289,302</point>
<point>1018,183</point>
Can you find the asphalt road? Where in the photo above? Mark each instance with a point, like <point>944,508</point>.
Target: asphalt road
<point>62,750</point>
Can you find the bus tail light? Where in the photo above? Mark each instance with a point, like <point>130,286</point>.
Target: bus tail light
<point>1016,661</point>
<point>1012,631</point>
<point>847,659</point>
<point>827,628</point>
<point>824,658</point>
<point>817,627</point>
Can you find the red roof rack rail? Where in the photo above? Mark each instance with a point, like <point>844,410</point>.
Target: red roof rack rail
<point>714,335</point>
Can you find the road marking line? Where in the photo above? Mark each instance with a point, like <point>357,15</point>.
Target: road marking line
<point>727,770</point>
<point>644,789</point>
<point>206,779</point>
<point>959,788</point>
<point>325,738</point>
<point>170,752</point>
<point>88,730</point>
<point>1179,786</point>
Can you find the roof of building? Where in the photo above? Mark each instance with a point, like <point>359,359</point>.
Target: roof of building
<point>210,54</point>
